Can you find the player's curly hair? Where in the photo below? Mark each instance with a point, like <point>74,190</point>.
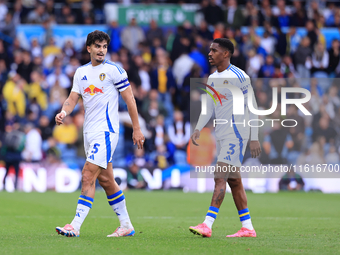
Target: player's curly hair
<point>97,35</point>
<point>225,43</point>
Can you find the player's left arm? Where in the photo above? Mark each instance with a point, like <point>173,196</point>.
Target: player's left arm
<point>137,135</point>
<point>255,147</point>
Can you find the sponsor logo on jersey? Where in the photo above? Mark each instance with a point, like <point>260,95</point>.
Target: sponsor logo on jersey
<point>93,90</point>
<point>225,82</point>
<point>84,78</point>
<point>102,76</point>
<point>220,95</point>
<point>217,96</point>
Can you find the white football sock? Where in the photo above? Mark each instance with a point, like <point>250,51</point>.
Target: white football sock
<point>209,221</point>
<point>247,224</point>
<point>81,213</point>
<point>122,213</point>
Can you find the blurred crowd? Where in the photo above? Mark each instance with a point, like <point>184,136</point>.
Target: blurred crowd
<point>35,81</point>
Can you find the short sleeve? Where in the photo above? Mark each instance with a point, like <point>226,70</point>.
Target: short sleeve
<point>121,81</point>
<point>75,87</point>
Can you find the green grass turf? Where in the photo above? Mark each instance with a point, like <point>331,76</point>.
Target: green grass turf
<point>286,223</point>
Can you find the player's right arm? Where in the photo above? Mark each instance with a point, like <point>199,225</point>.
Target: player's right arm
<point>68,107</point>
<point>203,120</point>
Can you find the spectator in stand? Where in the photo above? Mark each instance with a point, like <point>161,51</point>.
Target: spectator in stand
<point>311,33</point>
<point>204,32</point>
<point>270,18</point>
<point>13,92</point>
<point>233,15</point>
<point>143,72</point>
<point>281,43</point>
<point>34,90</point>
<point>71,67</point>
<point>302,53</point>
<point>282,12</point>
<point>66,133</point>
<point>291,181</point>
<point>135,179</point>
<point>267,70</point>
<point>11,149</point>
<point>299,17</point>
<point>85,15</point>
<point>324,129</point>
<point>334,57</point>
<point>238,59</point>
<point>287,67</point>
<point>45,127</point>
<point>8,27</point>
<point>319,61</point>
<point>254,63</point>
<point>25,68</point>
<point>66,16</point>
<point>131,36</point>
<point>277,143</point>
<point>179,135</point>
<point>38,15</point>
<point>293,39</point>
<point>68,50</point>
<point>182,67</point>
<point>36,50</point>
<point>213,14</point>
<point>33,144</point>
<point>162,79</point>
<point>219,31</point>
<point>59,76</point>
<point>154,32</point>
<point>114,33</point>
<point>268,43</point>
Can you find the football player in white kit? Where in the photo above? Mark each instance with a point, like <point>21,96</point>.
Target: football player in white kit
<point>99,84</point>
<point>231,138</point>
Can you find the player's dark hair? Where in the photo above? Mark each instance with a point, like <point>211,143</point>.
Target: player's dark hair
<point>97,36</point>
<point>225,43</point>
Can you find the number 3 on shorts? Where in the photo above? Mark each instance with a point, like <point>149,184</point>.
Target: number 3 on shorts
<point>231,149</point>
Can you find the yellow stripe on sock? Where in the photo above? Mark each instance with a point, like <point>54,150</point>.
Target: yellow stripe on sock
<point>244,214</point>
<point>86,200</point>
<point>115,197</point>
<point>213,212</point>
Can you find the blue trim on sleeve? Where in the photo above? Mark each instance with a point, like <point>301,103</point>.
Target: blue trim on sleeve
<point>124,86</point>
<point>125,80</point>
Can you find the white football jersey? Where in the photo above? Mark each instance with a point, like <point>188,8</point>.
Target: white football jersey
<point>240,79</point>
<point>99,86</point>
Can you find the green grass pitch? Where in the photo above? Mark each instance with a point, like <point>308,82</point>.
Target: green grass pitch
<point>286,223</point>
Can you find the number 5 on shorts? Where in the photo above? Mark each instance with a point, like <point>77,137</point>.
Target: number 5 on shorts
<point>94,151</point>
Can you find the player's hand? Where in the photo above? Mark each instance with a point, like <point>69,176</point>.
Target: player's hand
<point>138,138</point>
<point>255,148</point>
<point>59,118</point>
<point>195,136</point>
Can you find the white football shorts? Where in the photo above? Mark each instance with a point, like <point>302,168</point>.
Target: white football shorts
<point>99,147</point>
<point>231,151</point>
